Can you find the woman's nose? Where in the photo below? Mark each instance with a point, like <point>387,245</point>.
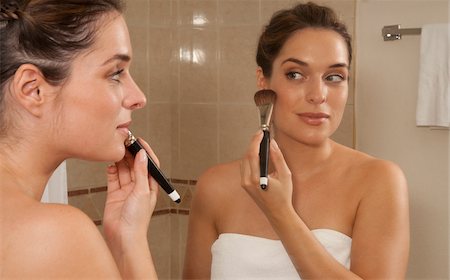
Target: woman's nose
<point>316,92</point>
<point>134,97</point>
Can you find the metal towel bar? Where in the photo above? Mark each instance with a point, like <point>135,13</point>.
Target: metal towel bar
<point>395,32</point>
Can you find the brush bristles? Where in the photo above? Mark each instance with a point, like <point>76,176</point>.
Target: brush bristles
<point>264,97</point>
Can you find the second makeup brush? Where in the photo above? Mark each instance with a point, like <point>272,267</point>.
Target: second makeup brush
<point>264,99</point>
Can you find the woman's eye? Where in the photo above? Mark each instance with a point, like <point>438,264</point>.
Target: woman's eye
<point>116,75</point>
<point>335,78</point>
<point>294,75</point>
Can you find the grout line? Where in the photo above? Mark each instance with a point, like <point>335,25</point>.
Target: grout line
<point>77,192</point>
<point>99,189</point>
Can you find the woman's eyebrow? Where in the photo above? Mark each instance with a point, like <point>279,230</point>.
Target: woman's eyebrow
<point>295,60</point>
<point>339,65</point>
<point>121,57</point>
<point>302,63</point>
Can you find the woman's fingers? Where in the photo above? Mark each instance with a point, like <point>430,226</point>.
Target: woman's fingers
<point>141,172</point>
<point>280,166</point>
<point>112,177</point>
<point>124,171</point>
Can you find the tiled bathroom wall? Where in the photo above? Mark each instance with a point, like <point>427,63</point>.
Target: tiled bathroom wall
<point>195,61</point>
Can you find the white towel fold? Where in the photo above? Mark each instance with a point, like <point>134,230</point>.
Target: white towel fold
<point>56,189</point>
<point>433,101</point>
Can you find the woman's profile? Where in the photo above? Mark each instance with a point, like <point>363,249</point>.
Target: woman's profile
<point>66,92</point>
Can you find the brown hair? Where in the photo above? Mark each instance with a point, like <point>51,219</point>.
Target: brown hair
<point>48,34</point>
<point>285,22</point>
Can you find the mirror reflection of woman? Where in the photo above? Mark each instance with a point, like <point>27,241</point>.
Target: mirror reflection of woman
<point>66,92</point>
<point>329,212</point>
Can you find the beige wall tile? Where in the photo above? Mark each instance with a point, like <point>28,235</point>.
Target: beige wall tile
<point>198,64</point>
<point>85,204</point>
<point>237,78</point>
<point>238,122</point>
<point>163,202</point>
<point>161,12</point>
<point>175,134</point>
<point>163,64</point>
<point>186,197</point>
<point>238,12</point>
<point>199,13</point>
<point>99,200</point>
<point>268,7</point>
<point>83,174</point>
<point>137,13</point>
<point>198,140</point>
<point>179,234</point>
<point>139,125</point>
<point>159,242</point>
<point>160,133</point>
<point>175,253</point>
<point>139,65</point>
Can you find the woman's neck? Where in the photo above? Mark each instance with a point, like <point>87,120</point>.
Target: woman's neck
<point>26,167</point>
<point>304,159</point>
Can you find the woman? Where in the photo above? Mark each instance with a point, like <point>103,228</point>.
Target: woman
<point>66,92</point>
<point>329,212</point>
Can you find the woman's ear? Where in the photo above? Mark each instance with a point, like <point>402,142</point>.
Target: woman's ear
<point>261,80</point>
<point>27,87</point>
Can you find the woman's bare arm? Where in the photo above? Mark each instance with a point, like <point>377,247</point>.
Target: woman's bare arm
<point>202,231</point>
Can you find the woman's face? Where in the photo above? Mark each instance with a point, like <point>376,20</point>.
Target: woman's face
<point>310,77</point>
<point>96,102</point>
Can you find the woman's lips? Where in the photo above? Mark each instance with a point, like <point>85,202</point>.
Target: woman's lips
<point>124,128</point>
<point>314,118</point>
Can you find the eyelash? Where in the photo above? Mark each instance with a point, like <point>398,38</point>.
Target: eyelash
<point>116,75</point>
<point>341,77</point>
<point>291,76</point>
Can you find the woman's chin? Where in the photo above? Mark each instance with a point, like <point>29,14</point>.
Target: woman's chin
<point>116,154</point>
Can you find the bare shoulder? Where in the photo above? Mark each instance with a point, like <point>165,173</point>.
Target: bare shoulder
<point>382,175</point>
<point>219,180</point>
<point>63,239</point>
<point>374,173</point>
<point>214,191</point>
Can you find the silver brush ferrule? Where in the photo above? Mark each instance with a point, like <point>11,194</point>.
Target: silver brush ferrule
<point>265,115</point>
<point>130,140</point>
<point>264,127</point>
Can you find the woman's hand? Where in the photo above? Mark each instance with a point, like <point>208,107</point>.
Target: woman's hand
<point>278,194</point>
<point>130,200</point>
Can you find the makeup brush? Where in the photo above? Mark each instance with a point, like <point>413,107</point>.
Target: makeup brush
<point>264,99</point>
<point>133,146</point>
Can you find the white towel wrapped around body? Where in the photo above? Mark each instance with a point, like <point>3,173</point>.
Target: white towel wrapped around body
<point>239,256</point>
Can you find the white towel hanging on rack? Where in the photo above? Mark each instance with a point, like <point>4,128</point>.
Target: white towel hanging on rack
<point>433,101</point>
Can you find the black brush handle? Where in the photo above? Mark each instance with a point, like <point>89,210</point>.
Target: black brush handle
<point>155,172</point>
<point>264,159</point>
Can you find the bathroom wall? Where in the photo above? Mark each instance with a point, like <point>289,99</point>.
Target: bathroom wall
<point>386,89</point>
<point>194,60</point>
